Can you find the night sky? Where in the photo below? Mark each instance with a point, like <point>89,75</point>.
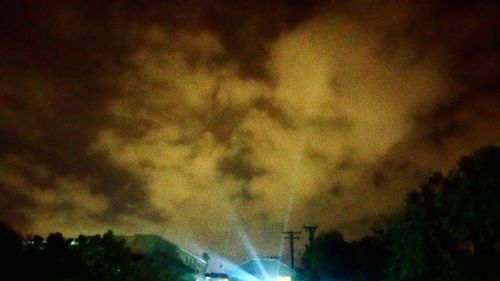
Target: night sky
<point>204,120</point>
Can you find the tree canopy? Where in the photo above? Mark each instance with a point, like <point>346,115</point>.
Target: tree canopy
<point>451,226</point>
<point>331,257</point>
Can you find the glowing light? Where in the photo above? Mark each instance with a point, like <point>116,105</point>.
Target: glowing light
<point>250,248</point>
<point>304,135</point>
<point>284,278</point>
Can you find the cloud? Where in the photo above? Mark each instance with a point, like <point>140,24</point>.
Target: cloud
<point>69,207</point>
<point>196,125</point>
<point>209,133</point>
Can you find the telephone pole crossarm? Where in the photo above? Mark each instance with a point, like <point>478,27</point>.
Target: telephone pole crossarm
<point>311,229</point>
<point>292,236</point>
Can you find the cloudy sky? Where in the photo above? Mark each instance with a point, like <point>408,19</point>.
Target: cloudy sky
<point>208,121</point>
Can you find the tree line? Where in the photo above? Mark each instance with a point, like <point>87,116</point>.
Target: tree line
<point>449,230</point>
<point>85,258</point>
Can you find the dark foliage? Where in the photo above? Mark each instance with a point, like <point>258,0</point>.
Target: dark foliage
<point>330,257</point>
<point>451,227</point>
<point>86,258</point>
<point>449,230</point>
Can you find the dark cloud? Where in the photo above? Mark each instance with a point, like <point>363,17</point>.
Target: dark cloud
<point>379,179</point>
<point>13,206</point>
<point>337,189</point>
<point>266,105</point>
<point>245,194</point>
<point>246,27</point>
<point>59,60</point>
<point>345,164</point>
<point>239,164</point>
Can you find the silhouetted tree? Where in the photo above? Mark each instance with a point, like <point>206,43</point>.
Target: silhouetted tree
<point>85,258</point>
<point>451,226</point>
<point>369,259</point>
<point>10,252</point>
<point>330,257</point>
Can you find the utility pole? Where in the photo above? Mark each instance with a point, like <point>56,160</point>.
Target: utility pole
<point>292,236</point>
<point>311,229</point>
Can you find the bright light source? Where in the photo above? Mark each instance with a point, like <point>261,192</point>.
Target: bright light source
<point>284,278</point>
